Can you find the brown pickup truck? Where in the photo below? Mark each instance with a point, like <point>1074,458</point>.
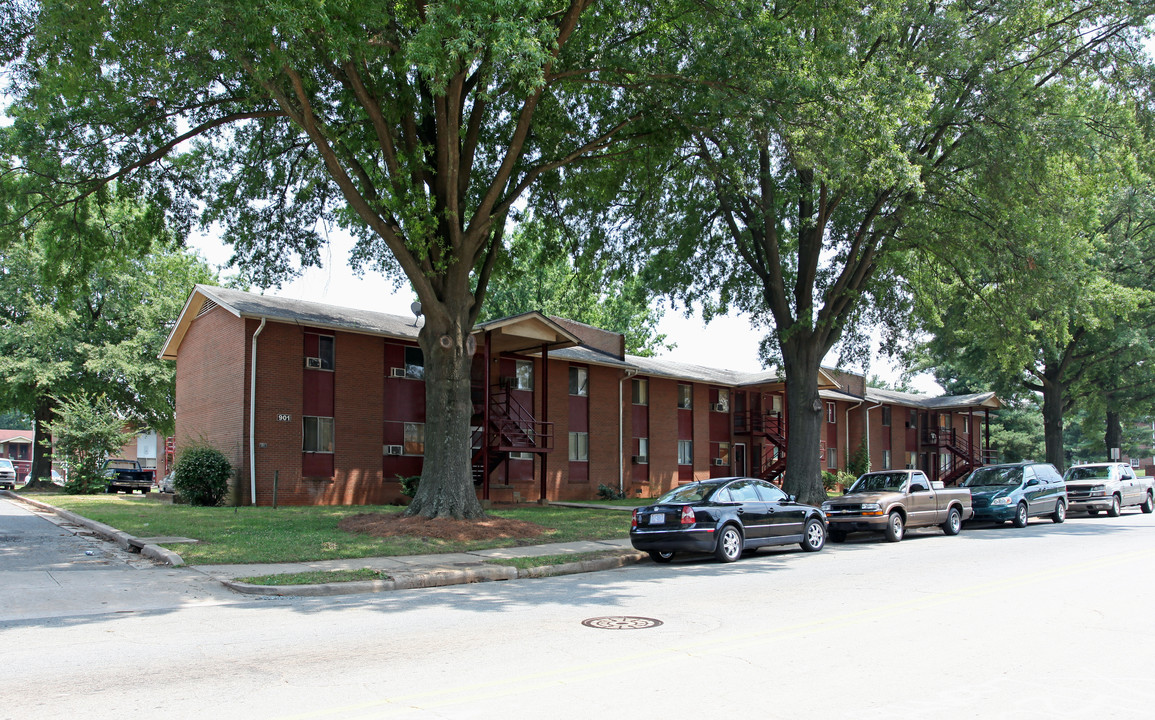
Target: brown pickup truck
<point>893,500</point>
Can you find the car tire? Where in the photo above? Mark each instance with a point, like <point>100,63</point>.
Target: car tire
<point>838,535</point>
<point>659,556</point>
<point>895,527</point>
<point>1021,516</point>
<point>953,523</point>
<point>729,547</point>
<point>1060,513</point>
<point>813,536</point>
<point>1116,508</point>
<point>1148,504</point>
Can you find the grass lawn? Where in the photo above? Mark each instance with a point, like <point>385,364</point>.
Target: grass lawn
<point>294,534</point>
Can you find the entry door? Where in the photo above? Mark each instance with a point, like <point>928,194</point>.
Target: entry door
<point>740,459</point>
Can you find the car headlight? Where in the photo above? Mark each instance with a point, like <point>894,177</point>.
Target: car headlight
<point>866,507</point>
<point>1098,488</point>
<point>1001,501</point>
<point>826,506</point>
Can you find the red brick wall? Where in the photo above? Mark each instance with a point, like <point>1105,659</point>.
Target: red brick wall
<point>280,391</point>
<point>211,399</point>
<point>663,435</point>
<point>604,422</point>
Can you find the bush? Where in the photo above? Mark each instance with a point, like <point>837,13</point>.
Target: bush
<point>201,476</point>
<point>605,492</point>
<point>831,480</point>
<point>409,484</point>
<point>87,429</point>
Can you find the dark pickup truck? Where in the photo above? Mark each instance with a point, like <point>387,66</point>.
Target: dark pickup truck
<point>126,475</point>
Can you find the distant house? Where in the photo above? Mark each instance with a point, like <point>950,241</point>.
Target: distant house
<point>16,445</point>
<point>327,405</point>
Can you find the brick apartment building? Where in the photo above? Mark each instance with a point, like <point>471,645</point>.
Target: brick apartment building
<point>337,412</point>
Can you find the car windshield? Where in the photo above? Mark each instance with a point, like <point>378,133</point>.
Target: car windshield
<point>694,492</point>
<point>879,482</point>
<point>994,476</point>
<point>1090,472</point>
<point>5,463</point>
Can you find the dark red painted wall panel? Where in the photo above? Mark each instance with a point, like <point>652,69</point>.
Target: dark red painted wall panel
<point>317,464</point>
<point>685,424</point>
<point>318,395</point>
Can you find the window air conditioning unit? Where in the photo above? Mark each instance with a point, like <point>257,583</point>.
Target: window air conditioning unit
<point>397,372</point>
<point>720,461</point>
<point>718,407</point>
<point>640,459</point>
<point>313,362</point>
<point>394,449</point>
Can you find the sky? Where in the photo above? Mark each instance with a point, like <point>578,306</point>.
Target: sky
<point>727,342</point>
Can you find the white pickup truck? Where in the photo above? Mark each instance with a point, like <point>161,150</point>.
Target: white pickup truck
<point>1107,486</point>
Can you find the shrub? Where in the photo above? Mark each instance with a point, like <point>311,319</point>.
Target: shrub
<point>85,432</point>
<point>201,475</point>
<point>409,484</point>
<point>605,492</point>
<point>831,480</point>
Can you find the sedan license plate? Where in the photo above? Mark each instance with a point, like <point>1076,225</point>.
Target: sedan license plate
<point>658,519</point>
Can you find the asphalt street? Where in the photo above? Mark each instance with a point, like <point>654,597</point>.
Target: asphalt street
<point>1046,621</point>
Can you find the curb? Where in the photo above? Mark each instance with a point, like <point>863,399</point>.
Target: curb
<point>437,578</point>
<point>126,542</point>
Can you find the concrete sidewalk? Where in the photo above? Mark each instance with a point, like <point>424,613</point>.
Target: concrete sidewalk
<point>404,572</point>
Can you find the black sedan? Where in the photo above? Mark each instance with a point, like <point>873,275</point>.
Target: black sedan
<point>725,516</point>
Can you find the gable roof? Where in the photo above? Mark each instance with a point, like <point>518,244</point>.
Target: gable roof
<point>986,400</point>
<point>19,436</point>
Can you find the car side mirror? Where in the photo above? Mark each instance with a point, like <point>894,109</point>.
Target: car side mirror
<point>791,498</point>
<point>1032,482</point>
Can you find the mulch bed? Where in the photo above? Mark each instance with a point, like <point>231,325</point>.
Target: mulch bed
<point>394,524</point>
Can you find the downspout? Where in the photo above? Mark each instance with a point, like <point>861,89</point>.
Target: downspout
<point>630,372</point>
<point>866,430</point>
<point>253,416</point>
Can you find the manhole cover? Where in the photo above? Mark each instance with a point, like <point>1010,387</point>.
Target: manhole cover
<point>621,622</point>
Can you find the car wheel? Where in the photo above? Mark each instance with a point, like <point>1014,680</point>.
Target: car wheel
<point>953,522</point>
<point>1116,508</point>
<point>729,547</point>
<point>838,535</point>
<point>813,536</point>
<point>1148,504</point>
<point>895,527</point>
<point>661,557</point>
<point>1060,513</point>
<point>1020,520</point>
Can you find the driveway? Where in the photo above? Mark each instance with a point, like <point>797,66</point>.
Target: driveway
<point>50,568</point>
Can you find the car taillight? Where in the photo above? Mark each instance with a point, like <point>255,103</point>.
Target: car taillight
<point>634,520</point>
<point>688,515</point>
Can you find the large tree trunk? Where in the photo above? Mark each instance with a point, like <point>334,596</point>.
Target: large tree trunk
<point>804,418</point>
<point>42,445</point>
<point>446,488</point>
<point>1053,419</point>
<point>1113,437</point>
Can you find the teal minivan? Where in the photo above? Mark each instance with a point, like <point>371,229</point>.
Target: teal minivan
<point>1017,492</point>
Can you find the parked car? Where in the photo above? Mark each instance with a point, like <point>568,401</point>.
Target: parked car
<point>126,475</point>
<point>1107,486</point>
<point>890,501</point>
<point>725,516</point>
<point>57,478</point>
<point>7,474</point>
<point>166,482</point>
<point>1017,492</point>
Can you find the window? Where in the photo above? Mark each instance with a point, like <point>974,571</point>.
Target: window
<point>743,491</point>
<point>886,416</point>
<point>776,403</point>
<point>685,452</point>
<point>579,447</point>
<point>523,379</point>
<point>641,391</point>
<point>967,424</point>
<point>911,461</point>
<point>414,438</point>
<point>318,434</point>
<point>724,453</point>
<point>414,363</point>
<point>885,459</point>
<point>579,381</point>
<point>830,413</point>
<point>1134,462</point>
<point>769,493</point>
<point>520,456</point>
<point>325,350</point>
<point>644,450</point>
<point>723,400</point>
<point>831,458</point>
<point>685,397</point>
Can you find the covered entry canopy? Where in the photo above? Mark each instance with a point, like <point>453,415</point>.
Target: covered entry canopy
<point>527,332</point>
